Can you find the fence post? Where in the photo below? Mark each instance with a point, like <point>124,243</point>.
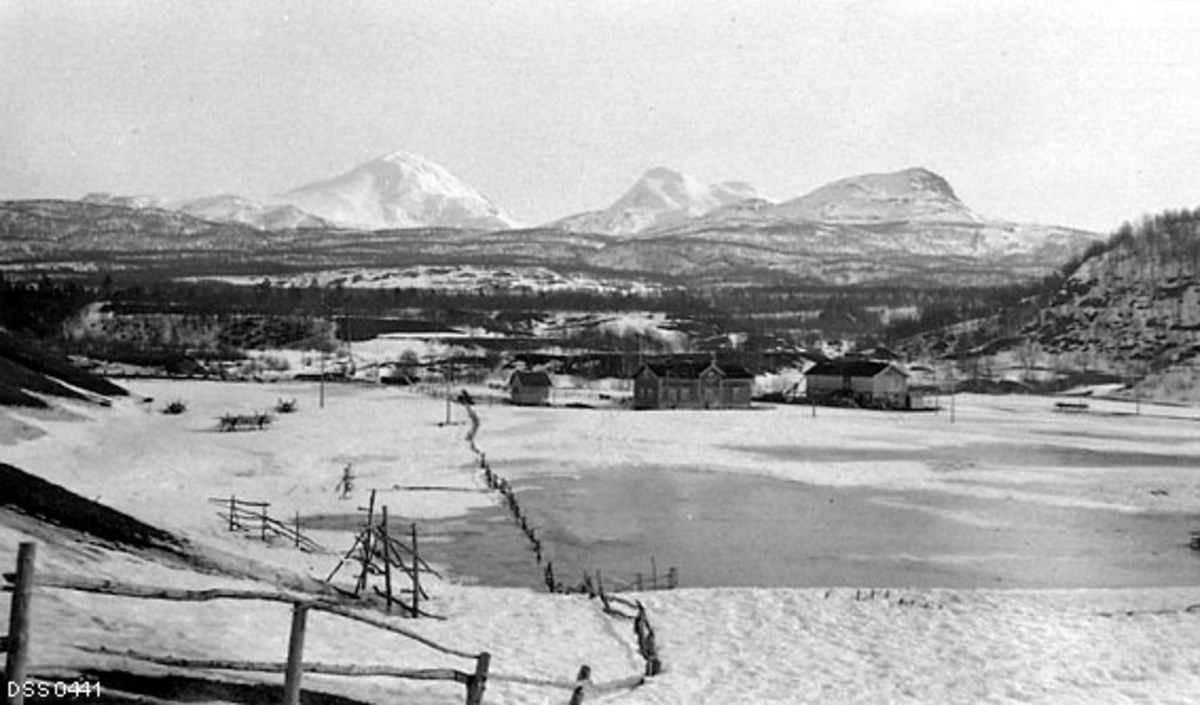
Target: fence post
<point>18,621</point>
<point>478,682</point>
<point>297,544</point>
<point>673,578</point>
<point>416,575</point>
<point>232,511</point>
<point>646,645</point>
<point>295,662</point>
<point>387,562</point>
<point>262,519</point>
<point>583,679</point>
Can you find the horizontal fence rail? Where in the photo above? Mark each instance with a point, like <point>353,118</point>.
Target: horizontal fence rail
<point>328,604</point>
<point>23,581</point>
<point>253,518</point>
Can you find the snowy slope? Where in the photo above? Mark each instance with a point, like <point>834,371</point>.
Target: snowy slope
<point>225,208</point>
<point>235,209</point>
<point>660,197</point>
<point>726,645</point>
<point>912,194</point>
<point>399,190</point>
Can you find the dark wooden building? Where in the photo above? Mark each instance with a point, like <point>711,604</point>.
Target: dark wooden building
<point>689,384</point>
<point>529,388</point>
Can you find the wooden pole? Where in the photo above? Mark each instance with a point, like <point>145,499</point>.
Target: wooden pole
<point>232,509</point>
<point>583,679</point>
<point>387,562</point>
<point>18,622</point>
<point>295,662</point>
<point>297,544</point>
<point>478,682</point>
<point>345,558</point>
<point>366,545</point>
<point>262,518</point>
<point>416,576</point>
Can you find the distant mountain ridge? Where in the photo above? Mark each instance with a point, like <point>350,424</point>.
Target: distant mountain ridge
<point>221,209</point>
<point>660,197</point>
<point>906,227</point>
<point>397,190</point>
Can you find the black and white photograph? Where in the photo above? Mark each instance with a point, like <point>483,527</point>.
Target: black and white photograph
<point>653,352</point>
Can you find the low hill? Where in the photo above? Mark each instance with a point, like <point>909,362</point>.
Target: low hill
<point>27,371</point>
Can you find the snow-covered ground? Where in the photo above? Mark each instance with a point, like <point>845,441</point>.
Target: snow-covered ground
<point>719,646</point>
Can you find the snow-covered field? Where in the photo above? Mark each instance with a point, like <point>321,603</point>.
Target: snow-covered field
<point>723,645</point>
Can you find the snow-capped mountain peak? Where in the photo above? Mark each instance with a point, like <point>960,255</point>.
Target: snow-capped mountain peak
<point>660,197</point>
<point>911,194</point>
<point>398,190</point>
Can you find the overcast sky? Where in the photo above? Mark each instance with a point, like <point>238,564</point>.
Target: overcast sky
<point>1072,113</point>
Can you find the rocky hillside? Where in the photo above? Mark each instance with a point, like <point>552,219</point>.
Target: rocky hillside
<point>1128,309</point>
<point>1134,306</point>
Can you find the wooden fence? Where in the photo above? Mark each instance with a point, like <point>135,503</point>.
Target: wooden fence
<point>17,643</point>
<point>637,581</point>
<point>253,519</point>
<point>475,680</point>
<point>641,622</point>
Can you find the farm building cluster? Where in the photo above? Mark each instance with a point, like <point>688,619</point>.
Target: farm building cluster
<point>682,382</point>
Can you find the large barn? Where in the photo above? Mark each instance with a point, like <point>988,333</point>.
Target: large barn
<point>867,382</point>
<point>689,384</point>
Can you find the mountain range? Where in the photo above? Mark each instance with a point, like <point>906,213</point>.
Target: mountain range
<point>906,226</point>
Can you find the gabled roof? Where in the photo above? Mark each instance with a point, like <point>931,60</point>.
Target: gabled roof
<point>851,368</point>
<point>683,368</point>
<point>732,371</point>
<point>525,378</point>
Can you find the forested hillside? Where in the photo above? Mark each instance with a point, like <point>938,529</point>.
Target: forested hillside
<point>1134,304</point>
<point>1129,307</point>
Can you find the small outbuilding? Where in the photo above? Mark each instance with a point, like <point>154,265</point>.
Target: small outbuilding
<point>867,382</point>
<point>690,384</point>
<point>529,388</point>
